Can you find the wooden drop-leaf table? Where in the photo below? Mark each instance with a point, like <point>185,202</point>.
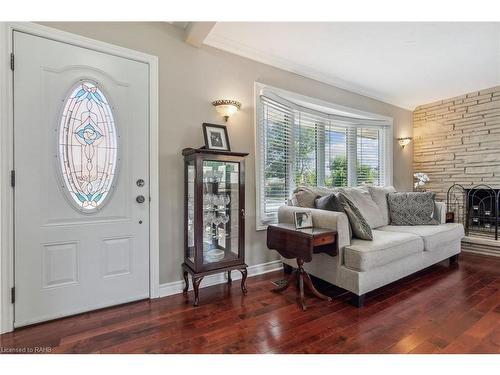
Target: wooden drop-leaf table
<point>301,244</point>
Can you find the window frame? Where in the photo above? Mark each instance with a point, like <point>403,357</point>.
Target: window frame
<point>366,119</point>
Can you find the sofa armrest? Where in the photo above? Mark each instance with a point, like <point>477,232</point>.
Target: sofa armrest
<point>321,219</point>
<point>440,212</point>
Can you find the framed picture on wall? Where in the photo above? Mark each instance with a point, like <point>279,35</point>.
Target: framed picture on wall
<point>216,137</point>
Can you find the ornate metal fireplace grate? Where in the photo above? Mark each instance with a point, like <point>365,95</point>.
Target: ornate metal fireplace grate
<point>476,208</point>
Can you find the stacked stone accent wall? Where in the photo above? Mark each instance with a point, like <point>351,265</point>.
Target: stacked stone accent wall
<point>457,140</point>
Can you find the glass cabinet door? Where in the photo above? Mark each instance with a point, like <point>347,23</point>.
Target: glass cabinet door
<point>220,211</point>
<point>190,185</point>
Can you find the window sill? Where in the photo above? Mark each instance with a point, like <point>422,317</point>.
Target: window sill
<point>261,227</point>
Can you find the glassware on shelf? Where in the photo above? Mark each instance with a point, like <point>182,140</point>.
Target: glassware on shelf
<point>214,255</point>
<point>212,202</point>
<point>218,175</point>
<point>216,200</point>
<point>212,176</point>
<point>208,176</point>
<point>221,234</point>
<point>207,233</point>
<point>217,220</point>
<point>208,200</point>
<point>225,220</point>
<point>209,217</point>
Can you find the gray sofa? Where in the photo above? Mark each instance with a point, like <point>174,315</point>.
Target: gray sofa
<point>395,252</point>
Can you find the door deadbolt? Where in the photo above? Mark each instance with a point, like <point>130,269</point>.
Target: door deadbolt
<point>140,182</point>
<point>140,199</point>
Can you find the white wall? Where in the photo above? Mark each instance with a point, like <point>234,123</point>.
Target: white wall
<point>190,78</point>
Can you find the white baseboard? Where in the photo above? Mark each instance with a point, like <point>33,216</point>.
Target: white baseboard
<point>176,287</point>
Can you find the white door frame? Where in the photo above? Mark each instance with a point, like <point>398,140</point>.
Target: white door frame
<point>7,152</point>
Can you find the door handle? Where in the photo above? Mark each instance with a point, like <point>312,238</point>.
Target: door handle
<point>140,199</point>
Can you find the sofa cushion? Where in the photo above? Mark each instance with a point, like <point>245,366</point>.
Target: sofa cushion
<point>434,236</point>
<point>362,199</point>
<point>359,226</point>
<point>379,196</point>
<point>385,248</point>
<point>412,208</point>
<point>305,196</point>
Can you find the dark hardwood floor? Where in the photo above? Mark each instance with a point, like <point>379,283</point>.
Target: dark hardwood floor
<point>439,310</point>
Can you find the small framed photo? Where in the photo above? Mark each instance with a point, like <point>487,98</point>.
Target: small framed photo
<point>303,219</point>
<point>216,137</point>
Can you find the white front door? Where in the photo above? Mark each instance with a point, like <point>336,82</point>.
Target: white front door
<point>81,167</point>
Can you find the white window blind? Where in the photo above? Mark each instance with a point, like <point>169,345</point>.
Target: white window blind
<point>335,159</point>
<point>298,146</point>
<point>275,154</point>
<point>369,156</point>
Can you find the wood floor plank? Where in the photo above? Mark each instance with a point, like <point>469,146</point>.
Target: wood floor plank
<point>438,310</point>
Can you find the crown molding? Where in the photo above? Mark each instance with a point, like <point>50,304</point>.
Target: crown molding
<point>229,45</point>
<point>195,33</point>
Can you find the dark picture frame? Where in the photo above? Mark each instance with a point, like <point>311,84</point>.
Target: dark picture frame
<point>303,219</point>
<point>216,137</point>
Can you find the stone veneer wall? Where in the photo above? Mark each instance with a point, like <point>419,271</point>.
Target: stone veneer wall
<point>457,140</point>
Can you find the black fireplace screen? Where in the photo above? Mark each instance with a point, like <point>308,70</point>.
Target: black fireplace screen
<point>476,208</point>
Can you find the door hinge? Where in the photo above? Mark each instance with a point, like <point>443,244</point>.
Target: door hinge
<point>13,295</point>
<point>12,178</point>
<point>12,61</point>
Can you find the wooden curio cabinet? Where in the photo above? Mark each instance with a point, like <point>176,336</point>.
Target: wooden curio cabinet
<point>214,215</point>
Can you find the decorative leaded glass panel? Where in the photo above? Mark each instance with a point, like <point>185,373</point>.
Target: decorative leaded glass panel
<point>87,147</point>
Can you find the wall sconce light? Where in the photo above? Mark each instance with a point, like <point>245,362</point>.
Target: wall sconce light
<point>226,107</point>
<point>404,141</point>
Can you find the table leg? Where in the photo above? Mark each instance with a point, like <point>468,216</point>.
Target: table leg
<point>301,289</point>
<point>229,280</point>
<point>309,284</point>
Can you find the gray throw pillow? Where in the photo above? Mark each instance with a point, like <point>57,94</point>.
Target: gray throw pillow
<point>412,208</point>
<point>360,227</point>
<point>329,202</point>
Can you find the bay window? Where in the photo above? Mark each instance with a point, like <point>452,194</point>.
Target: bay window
<point>314,145</point>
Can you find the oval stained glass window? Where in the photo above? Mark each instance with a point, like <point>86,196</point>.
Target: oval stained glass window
<point>87,147</point>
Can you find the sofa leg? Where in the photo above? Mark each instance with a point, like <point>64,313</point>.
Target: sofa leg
<point>287,269</point>
<point>453,259</point>
<point>358,301</point>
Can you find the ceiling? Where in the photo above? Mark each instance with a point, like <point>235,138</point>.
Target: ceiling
<point>405,64</point>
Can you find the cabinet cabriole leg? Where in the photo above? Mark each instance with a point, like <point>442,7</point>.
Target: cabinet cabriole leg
<point>243,280</point>
<point>196,286</point>
<point>186,282</point>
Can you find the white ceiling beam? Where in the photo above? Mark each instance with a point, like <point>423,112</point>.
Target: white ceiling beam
<point>196,32</point>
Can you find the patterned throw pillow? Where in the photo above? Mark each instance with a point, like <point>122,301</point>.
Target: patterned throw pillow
<point>359,225</point>
<point>412,208</point>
